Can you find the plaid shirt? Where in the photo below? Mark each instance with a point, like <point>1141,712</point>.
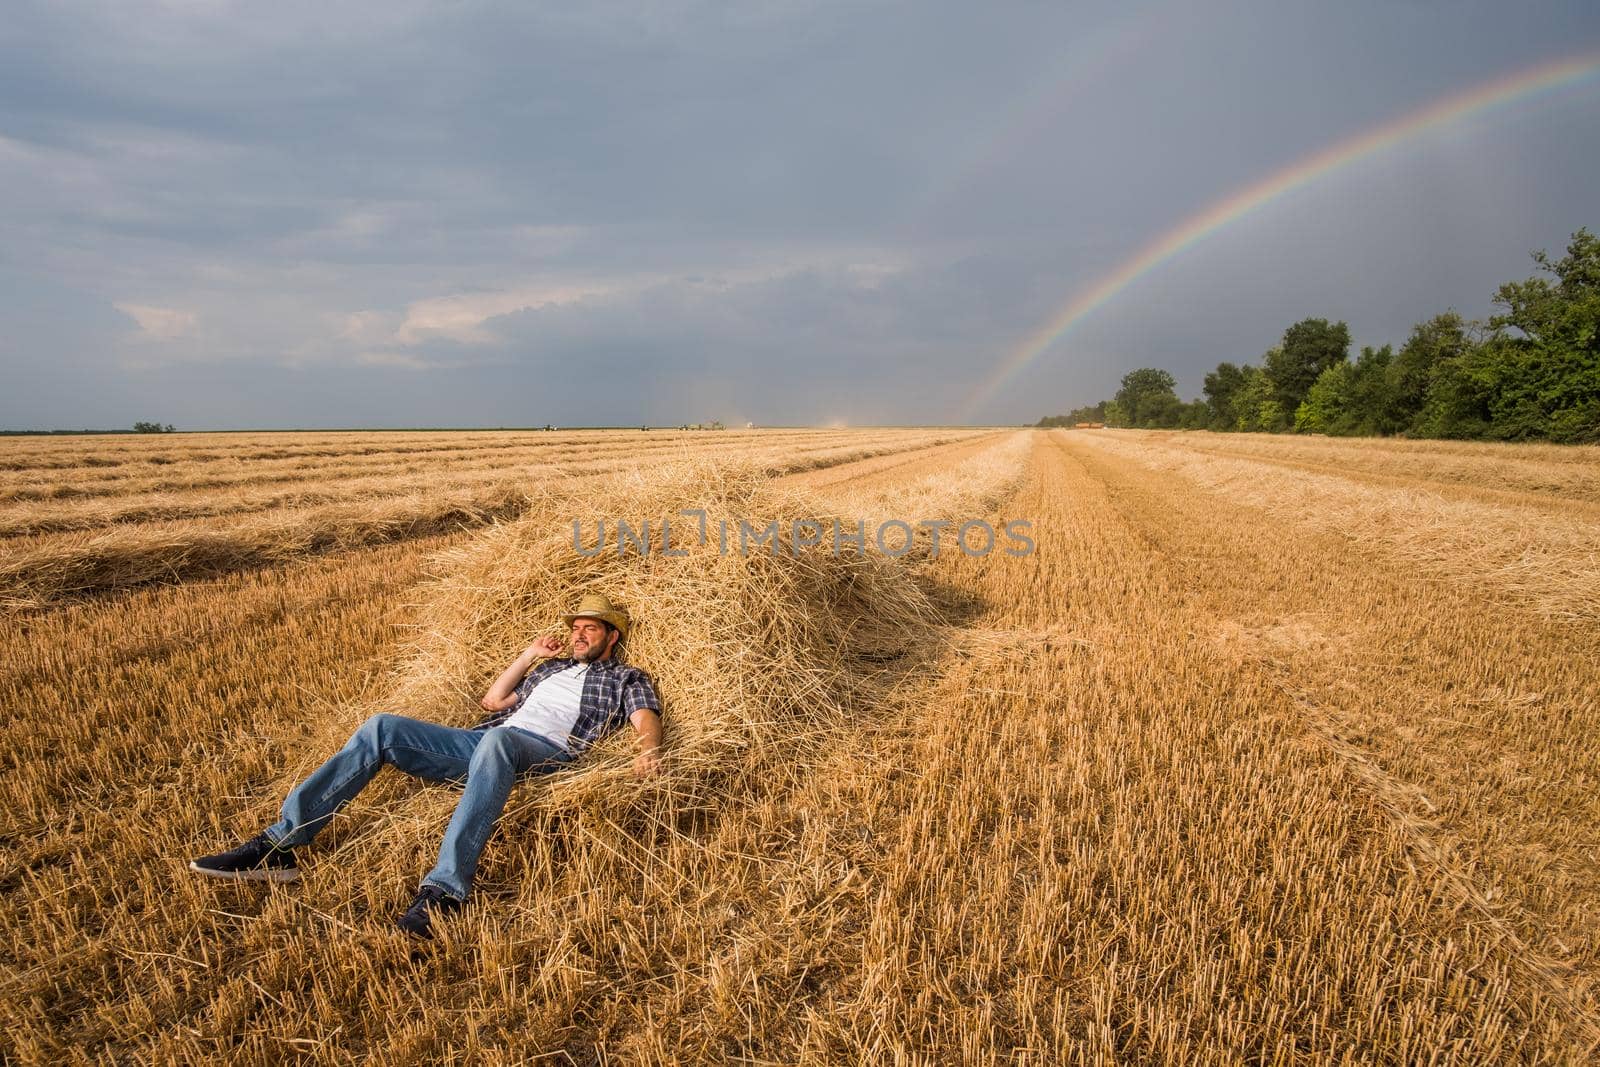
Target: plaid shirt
<point>612,692</point>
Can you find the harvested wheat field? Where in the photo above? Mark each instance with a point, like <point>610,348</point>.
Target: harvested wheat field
<point>1267,751</point>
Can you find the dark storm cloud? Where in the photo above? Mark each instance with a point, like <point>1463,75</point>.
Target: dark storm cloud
<point>220,214</point>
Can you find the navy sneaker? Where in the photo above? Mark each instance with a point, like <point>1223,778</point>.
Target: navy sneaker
<point>257,860</point>
<point>431,901</point>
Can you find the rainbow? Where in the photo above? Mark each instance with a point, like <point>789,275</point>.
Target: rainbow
<point>1197,228</point>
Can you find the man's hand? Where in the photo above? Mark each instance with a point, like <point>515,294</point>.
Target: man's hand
<point>544,648</point>
<point>647,763</point>
<point>502,694</point>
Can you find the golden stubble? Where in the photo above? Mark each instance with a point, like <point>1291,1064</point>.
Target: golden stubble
<point>59,547</point>
<point>1196,781</point>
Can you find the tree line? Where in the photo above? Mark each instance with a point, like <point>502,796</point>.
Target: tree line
<point>1529,372</point>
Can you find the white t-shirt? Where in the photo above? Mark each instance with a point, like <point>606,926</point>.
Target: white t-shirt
<point>551,708</point>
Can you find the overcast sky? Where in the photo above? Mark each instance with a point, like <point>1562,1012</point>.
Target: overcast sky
<point>228,215</point>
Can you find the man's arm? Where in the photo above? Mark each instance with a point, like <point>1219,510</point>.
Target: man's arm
<point>501,694</point>
<point>648,726</point>
<point>639,700</point>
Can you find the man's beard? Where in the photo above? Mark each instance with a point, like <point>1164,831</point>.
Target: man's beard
<point>590,654</point>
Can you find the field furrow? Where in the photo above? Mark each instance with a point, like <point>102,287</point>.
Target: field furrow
<point>317,486</point>
<point>1559,473</point>
<point>890,468</point>
<point>1098,835</point>
<point>43,568</point>
<point>98,453</point>
<point>1477,722</point>
<point>175,473</point>
<point>1547,557</point>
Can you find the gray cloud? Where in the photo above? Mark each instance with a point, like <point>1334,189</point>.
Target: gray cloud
<point>462,213</point>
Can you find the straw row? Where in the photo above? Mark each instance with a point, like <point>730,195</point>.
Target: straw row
<point>1556,473</point>
<point>1548,559</point>
<point>44,570</point>
<point>316,485</point>
<point>176,473</point>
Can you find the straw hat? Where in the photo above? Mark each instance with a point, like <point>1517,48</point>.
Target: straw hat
<point>599,606</point>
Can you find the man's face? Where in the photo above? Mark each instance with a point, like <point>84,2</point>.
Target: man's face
<point>590,640</point>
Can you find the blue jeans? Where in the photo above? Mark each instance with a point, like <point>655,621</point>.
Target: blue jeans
<point>487,760</point>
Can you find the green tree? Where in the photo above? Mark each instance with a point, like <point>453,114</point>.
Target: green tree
<point>1255,406</point>
<point>1457,404</point>
<point>1327,402</point>
<point>1421,359</point>
<point>1367,401</point>
<point>1164,411</point>
<point>1563,313</point>
<point>1091,413</point>
<point>1148,397</point>
<point>1309,347</point>
<point>1196,415</point>
<point>1220,387</point>
<point>1546,383</point>
<point>1348,399</point>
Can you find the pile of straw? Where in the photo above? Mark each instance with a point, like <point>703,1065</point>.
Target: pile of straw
<point>748,650</point>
